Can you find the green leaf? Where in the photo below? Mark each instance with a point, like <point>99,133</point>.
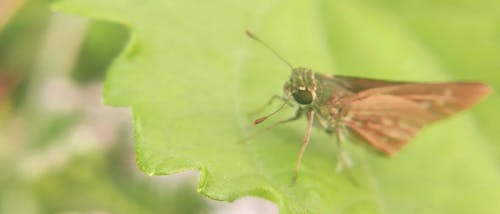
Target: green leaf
<point>191,77</point>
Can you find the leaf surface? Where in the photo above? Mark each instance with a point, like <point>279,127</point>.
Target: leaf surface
<point>191,77</point>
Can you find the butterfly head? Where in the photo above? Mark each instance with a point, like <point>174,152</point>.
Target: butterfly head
<point>301,86</point>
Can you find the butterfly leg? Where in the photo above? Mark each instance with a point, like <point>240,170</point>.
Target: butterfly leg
<point>343,161</point>
<point>297,116</point>
<point>271,101</point>
<point>305,142</point>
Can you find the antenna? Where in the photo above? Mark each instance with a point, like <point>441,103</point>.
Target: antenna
<point>251,35</point>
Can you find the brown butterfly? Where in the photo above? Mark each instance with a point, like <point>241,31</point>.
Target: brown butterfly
<point>385,115</point>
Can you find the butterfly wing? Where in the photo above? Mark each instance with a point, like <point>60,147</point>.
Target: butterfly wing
<point>358,84</point>
<point>388,117</point>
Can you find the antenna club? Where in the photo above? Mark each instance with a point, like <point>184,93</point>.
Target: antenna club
<point>259,120</point>
<point>250,34</point>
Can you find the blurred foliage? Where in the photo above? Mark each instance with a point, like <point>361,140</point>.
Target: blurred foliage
<point>21,37</point>
<point>19,41</point>
<point>51,128</point>
<point>103,42</point>
<point>105,182</point>
<point>51,157</point>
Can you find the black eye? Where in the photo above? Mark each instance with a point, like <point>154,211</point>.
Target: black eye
<point>303,97</point>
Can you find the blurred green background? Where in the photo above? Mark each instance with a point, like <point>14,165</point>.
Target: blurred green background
<point>62,151</point>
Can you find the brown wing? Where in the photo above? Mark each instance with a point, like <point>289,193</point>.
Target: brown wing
<point>387,118</point>
<point>358,84</point>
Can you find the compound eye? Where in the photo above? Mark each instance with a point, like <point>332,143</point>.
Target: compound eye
<point>303,97</point>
